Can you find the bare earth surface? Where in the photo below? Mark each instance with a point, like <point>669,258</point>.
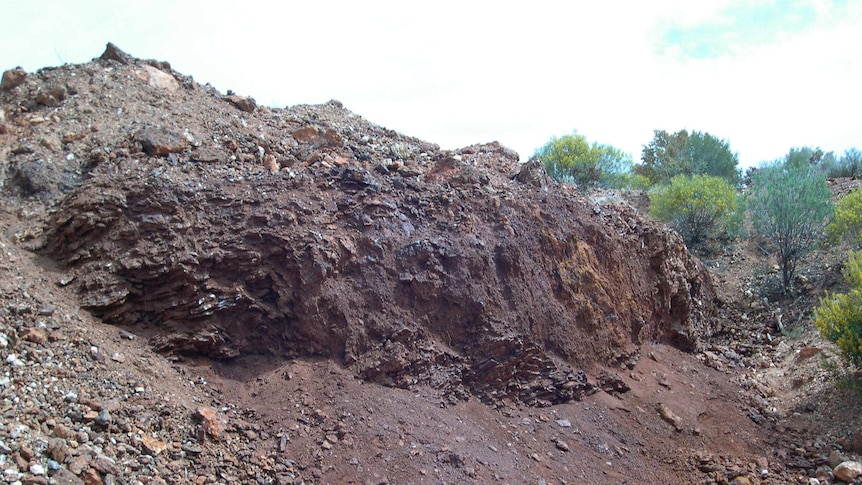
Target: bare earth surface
<point>197,289</point>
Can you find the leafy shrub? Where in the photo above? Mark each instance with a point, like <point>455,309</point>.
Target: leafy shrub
<point>805,157</point>
<point>790,206</point>
<point>847,223</point>
<point>573,160</point>
<point>634,181</point>
<point>697,207</point>
<point>839,315</point>
<point>684,153</point>
<point>850,165</point>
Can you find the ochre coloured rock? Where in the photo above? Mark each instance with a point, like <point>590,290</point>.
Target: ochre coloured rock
<point>211,422</point>
<point>159,141</point>
<point>244,103</point>
<point>847,471</point>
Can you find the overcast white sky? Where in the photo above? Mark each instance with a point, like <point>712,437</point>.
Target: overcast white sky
<point>765,75</point>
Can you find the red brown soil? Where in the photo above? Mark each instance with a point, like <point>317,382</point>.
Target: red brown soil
<point>358,306</point>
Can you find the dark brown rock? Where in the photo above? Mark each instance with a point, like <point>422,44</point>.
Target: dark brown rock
<point>855,442</point>
<point>612,384</point>
<point>12,79</point>
<point>466,281</point>
<point>34,480</point>
<point>91,477</point>
<point>36,335</point>
<point>114,53</point>
<point>208,155</point>
<point>27,453</point>
<point>159,141</point>
<point>61,431</point>
<point>243,103</point>
<point>65,477</point>
<point>307,134</point>
<point>533,173</point>
<point>51,96</point>
<point>57,449</point>
<point>78,463</point>
<point>106,465</point>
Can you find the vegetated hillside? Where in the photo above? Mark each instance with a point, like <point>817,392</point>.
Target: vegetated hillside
<point>357,292</point>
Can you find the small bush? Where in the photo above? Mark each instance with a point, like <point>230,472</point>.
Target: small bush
<point>850,165</point>
<point>847,222</point>
<point>790,207</point>
<point>571,159</point>
<point>634,181</point>
<point>839,315</point>
<point>698,207</point>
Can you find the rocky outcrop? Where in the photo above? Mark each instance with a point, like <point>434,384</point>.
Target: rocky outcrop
<point>308,231</point>
<point>407,281</point>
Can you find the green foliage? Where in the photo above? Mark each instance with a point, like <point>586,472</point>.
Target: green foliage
<point>663,158</point>
<point>847,223</point>
<point>850,165</point>
<point>799,158</point>
<point>684,153</point>
<point>697,207</point>
<point>634,181</point>
<point>839,315</point>
<point>572,159</point>
<point>711,156</point>
<point>790,207</point>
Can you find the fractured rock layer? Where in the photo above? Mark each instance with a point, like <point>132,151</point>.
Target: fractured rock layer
<point>308,231</point>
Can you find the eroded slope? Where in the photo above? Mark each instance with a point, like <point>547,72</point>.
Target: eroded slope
<point>224,229</point>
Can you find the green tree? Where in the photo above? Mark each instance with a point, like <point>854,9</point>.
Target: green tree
<point>852,162</point>
<point>803,157</point>
<point>574,160</point>
<point>850,165</point>
<point>811,157</point>
<point>684,153</point>
<point>711,156</point>
<point>664,157</point>
<point>697,206</point>
<point>839,315</point>
<point>847,223</point>
<point>790,207</point>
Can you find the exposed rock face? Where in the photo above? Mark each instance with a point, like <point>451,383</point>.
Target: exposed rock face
<point>409,264</point>
<point>404,280</point>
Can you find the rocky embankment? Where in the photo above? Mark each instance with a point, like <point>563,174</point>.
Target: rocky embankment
<point>233,229</point>
<point>213,228</point>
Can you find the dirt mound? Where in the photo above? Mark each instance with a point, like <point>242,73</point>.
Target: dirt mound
<point>287,262</point>
<point>237,230</point>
